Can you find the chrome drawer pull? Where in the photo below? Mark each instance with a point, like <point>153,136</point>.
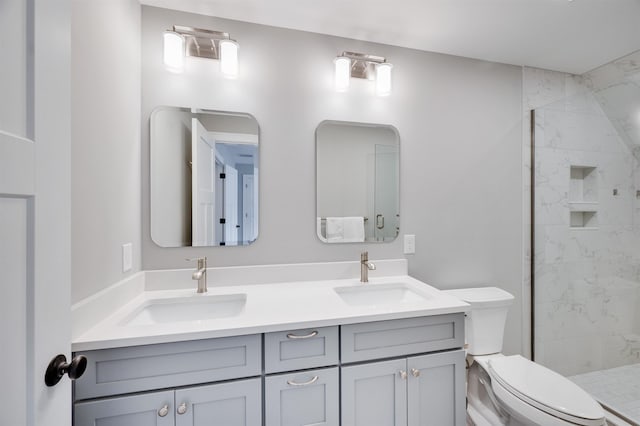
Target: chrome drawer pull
<point>310,382</point>
<point>415,373</point>
<point>306,336</point>
<point>182,408</point>
<point>402,374</point>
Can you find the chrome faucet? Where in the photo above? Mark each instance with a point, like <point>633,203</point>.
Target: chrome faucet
<point>365,267</point>
<point>200,274</point>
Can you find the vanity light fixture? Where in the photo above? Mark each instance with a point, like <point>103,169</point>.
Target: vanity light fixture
<point>181,41</point>
<point>343,73</point>
<point>360,65</point>
<point>173,51</point>
<point>383,79</point>
<point>229,58</point>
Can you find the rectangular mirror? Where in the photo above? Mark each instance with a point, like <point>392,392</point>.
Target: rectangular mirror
<point>204,177</point>
<point>357,182</point>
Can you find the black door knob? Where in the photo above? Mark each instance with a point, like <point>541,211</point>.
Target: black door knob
<point>59,366</point>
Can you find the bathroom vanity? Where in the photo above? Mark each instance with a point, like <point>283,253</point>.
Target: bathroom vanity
<point>333,352</point>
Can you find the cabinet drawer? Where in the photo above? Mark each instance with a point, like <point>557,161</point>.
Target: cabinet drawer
<point>300,349</point>
<point>138,368</point>
<point>384,339</point>
<point>304,398</point>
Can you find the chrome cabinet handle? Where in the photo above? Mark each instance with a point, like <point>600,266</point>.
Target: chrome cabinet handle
<point>403,374</point>
<point>379,221</point>
<point>415,373</point>
<point>310,382</point>
<point>182,408</point>
<point>306,336</point>
<point>164,410</point>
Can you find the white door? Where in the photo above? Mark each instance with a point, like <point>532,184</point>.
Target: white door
<point>231,206</point>
<point>219,203</point>
<point>35,235</point>
<point>256,215</point>
<point>248,230</point>
<point>203,189</point>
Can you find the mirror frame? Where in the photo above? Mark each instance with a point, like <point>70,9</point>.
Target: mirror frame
<point>318,219</point>
<point>153,168</point>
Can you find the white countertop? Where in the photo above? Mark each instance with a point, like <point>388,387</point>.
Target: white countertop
<point>269,307</point>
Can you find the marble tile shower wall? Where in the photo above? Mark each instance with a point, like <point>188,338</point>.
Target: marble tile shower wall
<point>586,278</point>
<point>616,86</point>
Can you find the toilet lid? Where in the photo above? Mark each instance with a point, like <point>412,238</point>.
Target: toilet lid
<point>483,297</point>
<point>544,389</point>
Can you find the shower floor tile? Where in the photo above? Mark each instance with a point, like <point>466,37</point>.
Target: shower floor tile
<point>617,388</point>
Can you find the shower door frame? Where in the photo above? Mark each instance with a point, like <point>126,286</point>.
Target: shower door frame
<point>532,240</point>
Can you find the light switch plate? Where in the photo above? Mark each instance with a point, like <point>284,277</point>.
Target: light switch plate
<point>127,257</point>
<point>409,244</point>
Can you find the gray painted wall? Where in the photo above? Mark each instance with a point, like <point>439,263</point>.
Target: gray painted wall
<point>105,142</point>
<point>460,129</point>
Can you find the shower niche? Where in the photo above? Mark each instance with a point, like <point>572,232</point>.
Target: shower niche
<point>583,197</point>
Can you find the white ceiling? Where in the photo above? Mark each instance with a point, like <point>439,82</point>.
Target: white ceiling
<point>572,36</point>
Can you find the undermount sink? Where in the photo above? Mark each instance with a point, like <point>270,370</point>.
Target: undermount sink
<point>380,294</point>
<point>186,309</point>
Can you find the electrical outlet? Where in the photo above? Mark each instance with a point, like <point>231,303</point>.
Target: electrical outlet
<point>409,244</point>
<point>127,257</point>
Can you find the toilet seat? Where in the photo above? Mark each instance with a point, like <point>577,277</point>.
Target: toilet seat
<point>543,389</point>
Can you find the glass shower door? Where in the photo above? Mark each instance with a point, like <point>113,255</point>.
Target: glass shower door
<point>385,192</point>
<point>587,235</point>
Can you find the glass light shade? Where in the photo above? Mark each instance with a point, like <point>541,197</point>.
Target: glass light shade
<point>229,58</point>
<point>173,51</point>
<point>343,73</point>
<point>383,79</point>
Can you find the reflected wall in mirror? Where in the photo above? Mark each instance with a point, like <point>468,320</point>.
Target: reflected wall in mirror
<point>204,177</point>
<point>357,182</point>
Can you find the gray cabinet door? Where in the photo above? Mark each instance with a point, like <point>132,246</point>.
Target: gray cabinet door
<point>237,403</point>
<point>150,409</point>
<point>437,389</point>
<point>303,398</point>
<point>374,394</point>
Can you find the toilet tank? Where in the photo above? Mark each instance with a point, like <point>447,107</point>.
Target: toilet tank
<point>484,323</point>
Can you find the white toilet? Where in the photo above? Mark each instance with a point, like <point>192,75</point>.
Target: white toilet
<point>511,390</point>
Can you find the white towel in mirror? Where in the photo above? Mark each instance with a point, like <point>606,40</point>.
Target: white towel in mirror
<point>334,229</point>
<point>319,229</point>
<point>345,229</point>
<point>353,229</point>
